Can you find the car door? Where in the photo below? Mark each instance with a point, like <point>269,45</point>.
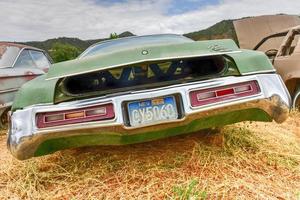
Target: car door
<point>28,65</point>
<point>287,61</point>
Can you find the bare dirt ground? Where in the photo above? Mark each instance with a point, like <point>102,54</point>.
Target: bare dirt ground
<point>244,161</point>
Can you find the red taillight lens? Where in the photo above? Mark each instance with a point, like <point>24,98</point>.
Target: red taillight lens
<point>219,94</point>
<point>88,114</point>
<point>225,92</point>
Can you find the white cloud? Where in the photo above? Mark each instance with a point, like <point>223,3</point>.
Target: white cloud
<point>23,20</point>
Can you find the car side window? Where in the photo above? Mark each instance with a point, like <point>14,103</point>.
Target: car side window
<point>25,60</point>
<point>289,47</point>
<point>40,59</point>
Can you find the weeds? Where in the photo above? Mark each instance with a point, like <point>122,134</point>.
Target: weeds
<point>241,139</point>
<point>188,192</point>
<point>282,161</point>
<point>255,161</point>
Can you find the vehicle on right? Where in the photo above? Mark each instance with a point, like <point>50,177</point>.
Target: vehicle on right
<point>279,42</point>
<point>286,60</point>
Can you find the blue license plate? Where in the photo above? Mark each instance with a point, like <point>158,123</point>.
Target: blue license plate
<point>152,111</point>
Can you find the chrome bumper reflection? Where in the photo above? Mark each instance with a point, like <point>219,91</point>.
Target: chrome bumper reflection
<point>25,136</point>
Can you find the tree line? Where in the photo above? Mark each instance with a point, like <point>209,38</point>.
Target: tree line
<point>60,52</point>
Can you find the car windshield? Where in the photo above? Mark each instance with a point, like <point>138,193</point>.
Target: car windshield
<point>133,42</point>
<point>8,55</point>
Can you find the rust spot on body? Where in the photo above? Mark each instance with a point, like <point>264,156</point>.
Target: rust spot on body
<point>11,44</point>
<point>29,75</point>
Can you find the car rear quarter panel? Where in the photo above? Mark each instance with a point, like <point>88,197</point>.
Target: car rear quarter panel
<point>34,92</point>
<point>251,62</point>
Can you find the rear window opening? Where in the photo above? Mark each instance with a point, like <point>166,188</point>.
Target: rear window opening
<point>144,76</point>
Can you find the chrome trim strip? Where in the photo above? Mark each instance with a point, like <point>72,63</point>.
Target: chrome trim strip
<point>295,98</point>
<point>9,90</point>
<point>256,72</point>
<point>13,65</point>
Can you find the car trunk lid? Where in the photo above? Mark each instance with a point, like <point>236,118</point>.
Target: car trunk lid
<point>108,60</point>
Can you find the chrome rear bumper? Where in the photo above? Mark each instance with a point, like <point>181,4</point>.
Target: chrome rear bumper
<point>25,137</point>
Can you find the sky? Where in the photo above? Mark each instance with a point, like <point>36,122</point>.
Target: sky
<point>37,20</point>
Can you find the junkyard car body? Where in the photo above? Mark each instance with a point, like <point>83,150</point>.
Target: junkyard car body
<point>280,42</point>
<point>286,60</point>
<point>139,89</point>
<point>18,64</point>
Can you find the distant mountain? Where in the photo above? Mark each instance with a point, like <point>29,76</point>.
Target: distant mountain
<point>80,44</point>
<point>223,29</point>
<point>126,34</point>
<point>220,30</point>
<point>47,45</point>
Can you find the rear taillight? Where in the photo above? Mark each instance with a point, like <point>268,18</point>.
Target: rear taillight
<point>219,94</point>
<point>88,114</point>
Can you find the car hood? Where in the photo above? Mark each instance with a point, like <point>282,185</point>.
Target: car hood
<point>143,54</point>
<point>250,31</point>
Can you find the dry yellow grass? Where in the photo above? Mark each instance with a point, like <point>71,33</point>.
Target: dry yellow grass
<point>256,161</point>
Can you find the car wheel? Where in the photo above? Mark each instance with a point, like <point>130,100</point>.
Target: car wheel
<point>296,100</point>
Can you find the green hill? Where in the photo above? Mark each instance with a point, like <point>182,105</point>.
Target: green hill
<point>76,42</point>
<point>220,30</point>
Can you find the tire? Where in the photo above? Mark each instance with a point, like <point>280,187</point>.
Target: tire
<point>296,99</point>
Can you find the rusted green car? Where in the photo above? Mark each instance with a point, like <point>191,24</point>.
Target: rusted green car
<point>144,88</point>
